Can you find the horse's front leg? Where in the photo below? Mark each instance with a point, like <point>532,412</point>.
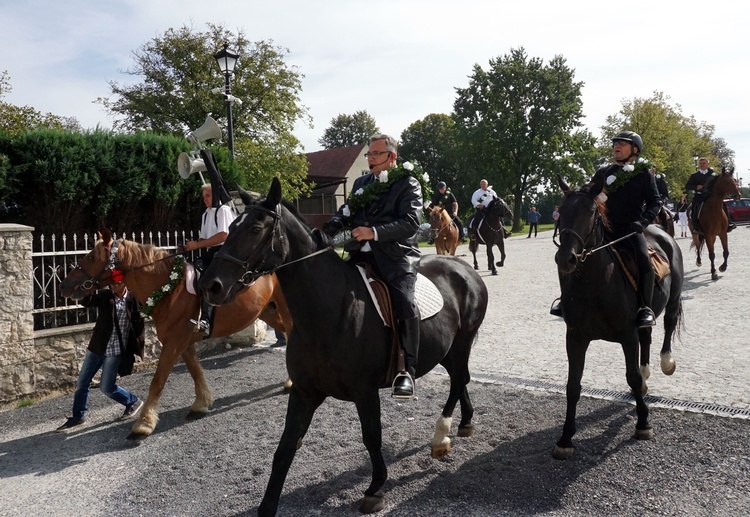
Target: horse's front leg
<point>710,241</point>
<point>630,347</point>
<point>299,414</point>
<point>576,347</point>
<point>501,247</point>
<point>491,259</point>
<point>149,417</point>
<point>644,338</point>
<point>725,248</point>
<point>203,396</point>
<point>698,244</point>
<point>473,249</point>
<point>368,409</point>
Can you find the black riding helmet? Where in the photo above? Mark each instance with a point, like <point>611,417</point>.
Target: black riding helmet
<point>629,136</point>
<point>441,185</point>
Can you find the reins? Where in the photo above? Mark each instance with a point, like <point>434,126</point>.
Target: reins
<point>586,253</point>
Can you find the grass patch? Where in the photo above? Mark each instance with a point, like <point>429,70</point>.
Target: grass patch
<point>25,402</point>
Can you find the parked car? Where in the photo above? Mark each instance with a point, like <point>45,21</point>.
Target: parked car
<point>739,209</point>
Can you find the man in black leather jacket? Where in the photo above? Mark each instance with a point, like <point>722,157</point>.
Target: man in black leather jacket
<point>385,230</point>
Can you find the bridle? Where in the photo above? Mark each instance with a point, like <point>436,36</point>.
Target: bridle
<point>439,230</point>
<point>114,268</point>
<point>251,275</point>
<point>597,234</point>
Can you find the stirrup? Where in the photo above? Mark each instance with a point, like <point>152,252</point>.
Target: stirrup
<point>403,386</point>
<point>201,326</point>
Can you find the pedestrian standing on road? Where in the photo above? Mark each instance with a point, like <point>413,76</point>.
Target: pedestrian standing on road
<point>556,218</point>
<point>117,337</point>
<point>682,215</point>
<point>533,220</point>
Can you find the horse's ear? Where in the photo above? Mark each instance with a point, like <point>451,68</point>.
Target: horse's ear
<point>274,194</point>
<point>595,187</point>
<point>563,186</point>
<point>106,236</point>
<point>245,196</point>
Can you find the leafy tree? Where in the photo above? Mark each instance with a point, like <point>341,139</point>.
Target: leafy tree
<point>670,139</point>
<point>15,119</point>
<point>519,125</point>
<point>431,142</point>
<point>348,130</point>
<point>178,71</point>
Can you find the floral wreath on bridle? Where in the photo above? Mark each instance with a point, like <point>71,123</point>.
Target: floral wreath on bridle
<point>627,172</point>
<point>371,192</point>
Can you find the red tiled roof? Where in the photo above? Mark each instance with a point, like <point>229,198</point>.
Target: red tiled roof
<point>333,163</point>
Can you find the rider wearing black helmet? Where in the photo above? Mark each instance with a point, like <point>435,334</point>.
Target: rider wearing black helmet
<point>446,199</point>
<point>629,186</point>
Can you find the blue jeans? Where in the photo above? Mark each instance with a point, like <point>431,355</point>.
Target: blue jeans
<point>91,365</point>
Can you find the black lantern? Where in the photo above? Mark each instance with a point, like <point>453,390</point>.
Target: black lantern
<point>227,61</point>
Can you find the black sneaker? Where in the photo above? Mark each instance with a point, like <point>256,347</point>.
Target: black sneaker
<point>131,410</point>
<point>70,424</point>
<point>731,226</point>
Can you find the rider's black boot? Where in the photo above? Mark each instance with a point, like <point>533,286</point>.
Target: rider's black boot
<point>646,317</point>
<point>408,337</point>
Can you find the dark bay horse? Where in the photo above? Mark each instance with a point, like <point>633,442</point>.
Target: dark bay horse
<point>148,268</point>
<point>713,220</point>
<point>665,219</point>
<point>599,302</point>
<point>339,346</point>
<point>491,233</point>
<point>444,231</point>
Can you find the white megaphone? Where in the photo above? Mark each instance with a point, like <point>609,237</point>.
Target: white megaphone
<point>189,164</point>
<point>210,129</point>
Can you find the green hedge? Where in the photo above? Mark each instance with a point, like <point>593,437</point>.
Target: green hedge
<point>63,181</point>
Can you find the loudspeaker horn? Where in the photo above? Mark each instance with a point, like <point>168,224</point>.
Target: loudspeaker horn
<point>210,129</point>
<point>189,164</point>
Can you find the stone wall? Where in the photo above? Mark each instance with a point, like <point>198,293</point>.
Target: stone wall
<point>35,364</point>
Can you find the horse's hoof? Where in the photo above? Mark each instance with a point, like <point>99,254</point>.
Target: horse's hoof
<point>137,437</point>
<point>465,432</point>
<point>714,276</point>
<point>669,368</point>
<point>644,389</point>
<point>562,453</point>
<point>439,453</point>
<point>499,264</point>
<point>722,268</point>
<point>494,272</point>
<point>372,503</point>
<point>698,263</point>
<point>644,434</point>
<point>476,267</point>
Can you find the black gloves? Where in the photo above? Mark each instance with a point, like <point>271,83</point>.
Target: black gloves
<point>638,226</point>
<point>332,227</point>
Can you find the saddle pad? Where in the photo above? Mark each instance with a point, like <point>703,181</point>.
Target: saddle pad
<point>428,298</point>
<point>189,275</point>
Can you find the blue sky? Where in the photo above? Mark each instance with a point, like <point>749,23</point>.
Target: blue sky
<point>402,60</point>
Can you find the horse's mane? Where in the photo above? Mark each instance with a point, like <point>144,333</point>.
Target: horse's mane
<point>601,205</point>
<point>131,254</point>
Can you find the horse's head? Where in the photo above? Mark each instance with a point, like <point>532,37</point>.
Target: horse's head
<point>580,214</point>
<point>499,208</point>
<point>726,186</point>
<point>438,217</point>
<point>254,247</point>
<point>92,272</point>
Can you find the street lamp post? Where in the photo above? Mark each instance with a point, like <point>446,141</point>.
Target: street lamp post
<point>227,60</point>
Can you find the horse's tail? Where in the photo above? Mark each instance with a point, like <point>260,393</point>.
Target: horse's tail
<point>680,326</point>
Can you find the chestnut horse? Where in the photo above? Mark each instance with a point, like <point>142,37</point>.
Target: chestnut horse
<point>713,220</point>
<point>444,231</point>
<point>147,269</point>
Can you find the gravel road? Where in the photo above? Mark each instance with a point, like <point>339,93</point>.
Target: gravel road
<point>697,464</point>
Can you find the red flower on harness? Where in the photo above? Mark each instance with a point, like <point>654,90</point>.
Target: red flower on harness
<point>117,276</point>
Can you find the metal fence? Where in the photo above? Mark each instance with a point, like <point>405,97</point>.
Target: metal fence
<point>53,257</point>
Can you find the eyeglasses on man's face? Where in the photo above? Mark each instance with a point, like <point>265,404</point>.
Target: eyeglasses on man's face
<point>376,154</point>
